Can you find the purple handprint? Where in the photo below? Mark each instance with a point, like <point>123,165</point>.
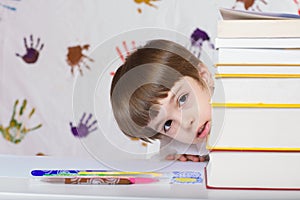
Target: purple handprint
<point>198,37</point>
<point>83,129</point>
<point>32,54</point>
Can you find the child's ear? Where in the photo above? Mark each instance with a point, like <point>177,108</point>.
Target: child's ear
<point>206,76</point>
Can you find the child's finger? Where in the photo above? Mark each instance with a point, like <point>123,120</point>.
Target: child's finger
<point>202,159</point>
<point>170,157</point>
<point>193,158</point>
<point>181,158</point>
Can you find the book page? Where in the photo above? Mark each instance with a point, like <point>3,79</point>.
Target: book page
<point>230,14</point>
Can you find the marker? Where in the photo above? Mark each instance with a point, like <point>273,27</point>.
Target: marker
<point>100,180</point>
<point>90,173</point>
<point>63,172</point>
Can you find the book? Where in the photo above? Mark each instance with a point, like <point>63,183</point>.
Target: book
<point>253,170</point>
<point>229,56</point>
<point>257,43</point>
<point>258,28</point>
<point>254,141</point>
<point>249,90</point>
<point>232,14</point>
<point>255,127</point>
<point>248,84</point>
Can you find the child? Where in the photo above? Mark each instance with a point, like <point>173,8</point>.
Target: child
<point>163,91</point>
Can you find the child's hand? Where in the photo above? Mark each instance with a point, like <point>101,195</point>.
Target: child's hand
<point>188,157</point>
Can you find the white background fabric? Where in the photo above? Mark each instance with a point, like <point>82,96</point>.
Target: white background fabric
<point>47,85</point>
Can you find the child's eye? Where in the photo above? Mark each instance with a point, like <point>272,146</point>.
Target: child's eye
<point>167,125</point>
<point>182,99</point>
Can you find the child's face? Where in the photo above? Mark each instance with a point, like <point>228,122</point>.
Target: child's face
<point>185,114</point>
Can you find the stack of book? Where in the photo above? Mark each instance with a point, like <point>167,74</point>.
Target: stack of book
<point>255,137</point>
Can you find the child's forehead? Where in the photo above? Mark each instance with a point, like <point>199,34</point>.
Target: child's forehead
<point>183,83</point>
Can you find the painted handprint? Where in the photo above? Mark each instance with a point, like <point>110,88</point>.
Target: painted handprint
<point>249,4</point>
<point>17,130</point>
<point>83,128</point>
<point>147,2</point>
<point>127,51</point>
<point>32,52</point>
<point>297,2</point>
<point>4,4</point>
<point>198,37</point>
<point>75,57</point>
<point>133,48</point>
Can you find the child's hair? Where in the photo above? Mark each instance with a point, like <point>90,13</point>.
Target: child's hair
<point>146,77</point>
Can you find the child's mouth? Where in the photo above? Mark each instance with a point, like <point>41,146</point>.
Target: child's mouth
<point>203,130</point>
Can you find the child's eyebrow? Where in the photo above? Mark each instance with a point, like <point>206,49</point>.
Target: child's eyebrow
<point>174,94</point>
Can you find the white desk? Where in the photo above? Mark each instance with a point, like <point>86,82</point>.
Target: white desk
<point>15,183</point>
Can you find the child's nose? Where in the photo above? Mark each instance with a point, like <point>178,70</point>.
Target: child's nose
<point>187,121</point>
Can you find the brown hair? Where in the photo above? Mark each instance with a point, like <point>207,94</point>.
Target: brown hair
<point>146,77</point>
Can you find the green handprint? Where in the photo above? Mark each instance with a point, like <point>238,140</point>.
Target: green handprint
<point>17,130</point>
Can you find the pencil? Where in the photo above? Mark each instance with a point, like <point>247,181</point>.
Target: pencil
<point>99,180</point>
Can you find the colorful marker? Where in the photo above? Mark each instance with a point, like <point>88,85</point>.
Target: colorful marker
<point>100,180</point>
<point>63,172</point>
<point>90,173</point>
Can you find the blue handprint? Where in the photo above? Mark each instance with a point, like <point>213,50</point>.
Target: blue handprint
<point>9,7</point>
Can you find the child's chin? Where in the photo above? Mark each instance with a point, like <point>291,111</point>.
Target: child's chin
<point>199,140</point>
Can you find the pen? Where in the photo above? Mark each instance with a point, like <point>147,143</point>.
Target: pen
<point>90,173</point>
<point>63,172</point>
<point>100,180</point>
